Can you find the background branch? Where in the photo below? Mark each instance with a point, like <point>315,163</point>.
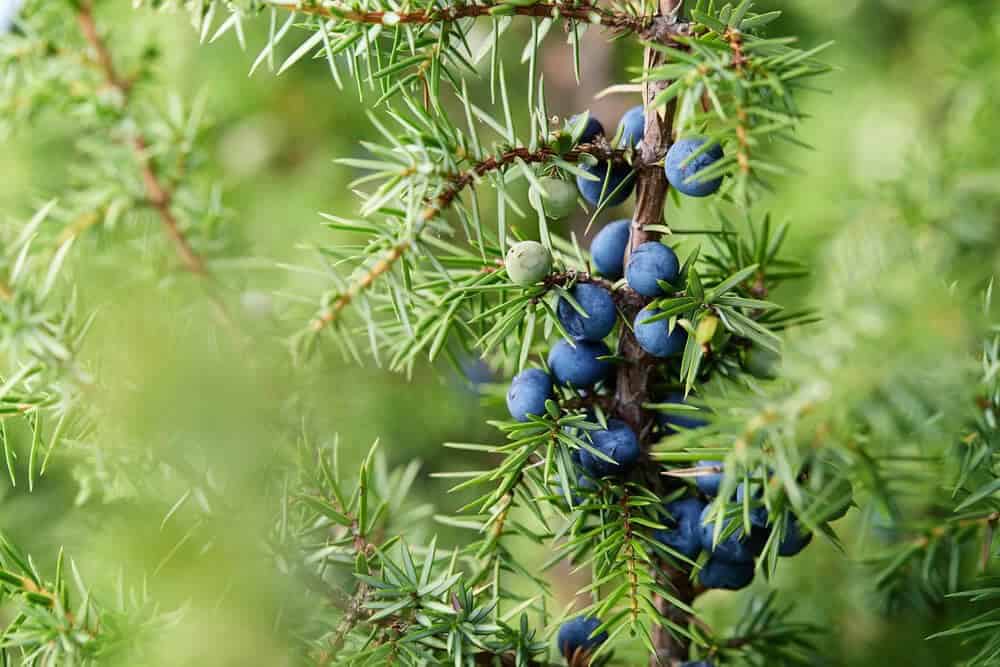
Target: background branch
<point>584,13</point>
<point>158,195</point>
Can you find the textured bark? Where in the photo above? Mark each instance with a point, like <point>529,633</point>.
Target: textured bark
<point>651,192</point>
<point>634,374</point>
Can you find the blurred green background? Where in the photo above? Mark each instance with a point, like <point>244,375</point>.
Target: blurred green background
<point>175,389</point>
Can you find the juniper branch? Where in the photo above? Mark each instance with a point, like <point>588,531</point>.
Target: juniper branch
<point>739,61</point>
<point>435,207</point>
<point>584,13</point>
<point>158,195</point>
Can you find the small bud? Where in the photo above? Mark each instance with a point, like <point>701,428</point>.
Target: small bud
<point>706,329</point>
<point>390,18</point>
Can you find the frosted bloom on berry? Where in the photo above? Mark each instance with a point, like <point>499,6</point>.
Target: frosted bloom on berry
<point>599,306</point>
<point>684,176</point>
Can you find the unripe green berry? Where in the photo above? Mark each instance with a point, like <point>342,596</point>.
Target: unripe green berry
<point>528,262</point>
<point>559,199</point>
<point>762,362</point>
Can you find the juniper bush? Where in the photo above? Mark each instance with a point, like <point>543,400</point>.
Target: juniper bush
<point>436,269</point>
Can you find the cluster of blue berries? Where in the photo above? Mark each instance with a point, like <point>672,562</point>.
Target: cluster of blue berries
<point>731,560</point>
<point>651,269</point>
<point>689,531</point>
<point>579,362</point>
<point>588,316</point>
<point>685,162</point>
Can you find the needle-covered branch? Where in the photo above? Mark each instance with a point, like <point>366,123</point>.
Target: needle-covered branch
<point>452,188</point>
<point>158,195</point>
<point>434,13</point>
<point>59,621</point>
<point>138,157</point>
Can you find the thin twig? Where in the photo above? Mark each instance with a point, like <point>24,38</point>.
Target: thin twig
<point>158,196</point>
<point>739,60</point>
<point>455,185</point>
<point>584,13</point>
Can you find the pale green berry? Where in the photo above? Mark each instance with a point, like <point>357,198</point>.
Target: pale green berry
<point>559,199</point>
<point>528,262</point>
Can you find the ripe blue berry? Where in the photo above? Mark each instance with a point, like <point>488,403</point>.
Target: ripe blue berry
<point>671,422</point>
<point>608,249</point>
<point>579,366</point>
<point>632,127</point>
<point>599,306</point>
<point>528,262</point>
<point>591,129</point>
<point>709,482</point>
<point>528,392</point>
<point>732,549</point>
<point>472,374</point>
<point>617,442</point>
<point>575,635</point>
<point>697,663</point>
<point>656,337</point>
<point>757,539</point>
<point>679,174</point>
<point>621,175</point>
<point>718,573</point>
<point>650,262</point>
<point>794,540</point>
<point>684,532</point>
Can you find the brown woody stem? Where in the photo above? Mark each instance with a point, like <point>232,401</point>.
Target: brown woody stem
<point>158,196</point>
<point>632,387</point>
<point>584,13</point>
<point>435,207</point>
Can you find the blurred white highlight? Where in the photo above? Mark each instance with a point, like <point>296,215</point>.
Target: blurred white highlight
<point>8,11</point>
